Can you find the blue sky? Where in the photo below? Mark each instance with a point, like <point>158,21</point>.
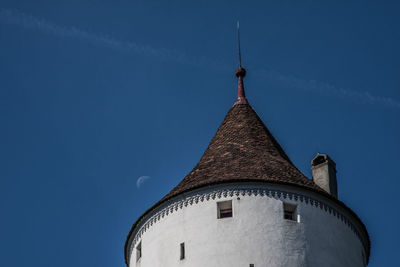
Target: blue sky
<point>96,94</point>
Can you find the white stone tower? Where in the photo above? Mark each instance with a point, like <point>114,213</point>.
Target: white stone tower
<point>246,205</point>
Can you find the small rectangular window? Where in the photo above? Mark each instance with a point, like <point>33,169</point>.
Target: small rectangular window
<point>138,251</point>
<point>289,212</point>
<point>251,265</point>
<point>224,209</point>
<point>182,251</point>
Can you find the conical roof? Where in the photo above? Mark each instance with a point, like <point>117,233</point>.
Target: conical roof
<point>243,149</point>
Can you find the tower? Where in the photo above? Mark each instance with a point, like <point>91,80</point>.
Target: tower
<point>246,204</point>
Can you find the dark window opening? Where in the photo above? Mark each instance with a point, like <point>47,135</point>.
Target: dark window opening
<point>288,215</point>
<point>225,213</point>
<point>251,265</point>
<point>225,209</point>
<point>182,251</point>
<point>289,212</point>
<point>139,251</point>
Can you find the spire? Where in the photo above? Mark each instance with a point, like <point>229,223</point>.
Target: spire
<point>240,73</point>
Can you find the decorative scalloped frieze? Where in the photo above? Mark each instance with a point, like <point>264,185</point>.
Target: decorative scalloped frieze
<point>157,216</point>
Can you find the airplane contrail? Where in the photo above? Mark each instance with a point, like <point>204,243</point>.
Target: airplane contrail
<point>15,17</point>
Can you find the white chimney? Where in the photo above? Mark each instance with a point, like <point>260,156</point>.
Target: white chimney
<point>324,173</point>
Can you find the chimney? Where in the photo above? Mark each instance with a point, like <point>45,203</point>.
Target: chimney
<point>324,173</point>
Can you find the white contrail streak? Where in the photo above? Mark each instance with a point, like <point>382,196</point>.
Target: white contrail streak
<point>329,89</point>
<point>14,17</point>
<point>23,20</point>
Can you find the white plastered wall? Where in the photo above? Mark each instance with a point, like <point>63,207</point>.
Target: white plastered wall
<point>256,234</point>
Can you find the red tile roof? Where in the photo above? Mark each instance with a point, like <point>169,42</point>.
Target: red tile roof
<point>243,149</point>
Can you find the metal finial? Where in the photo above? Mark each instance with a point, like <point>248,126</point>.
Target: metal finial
<point>240,73</point>
<point>240,57</point>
